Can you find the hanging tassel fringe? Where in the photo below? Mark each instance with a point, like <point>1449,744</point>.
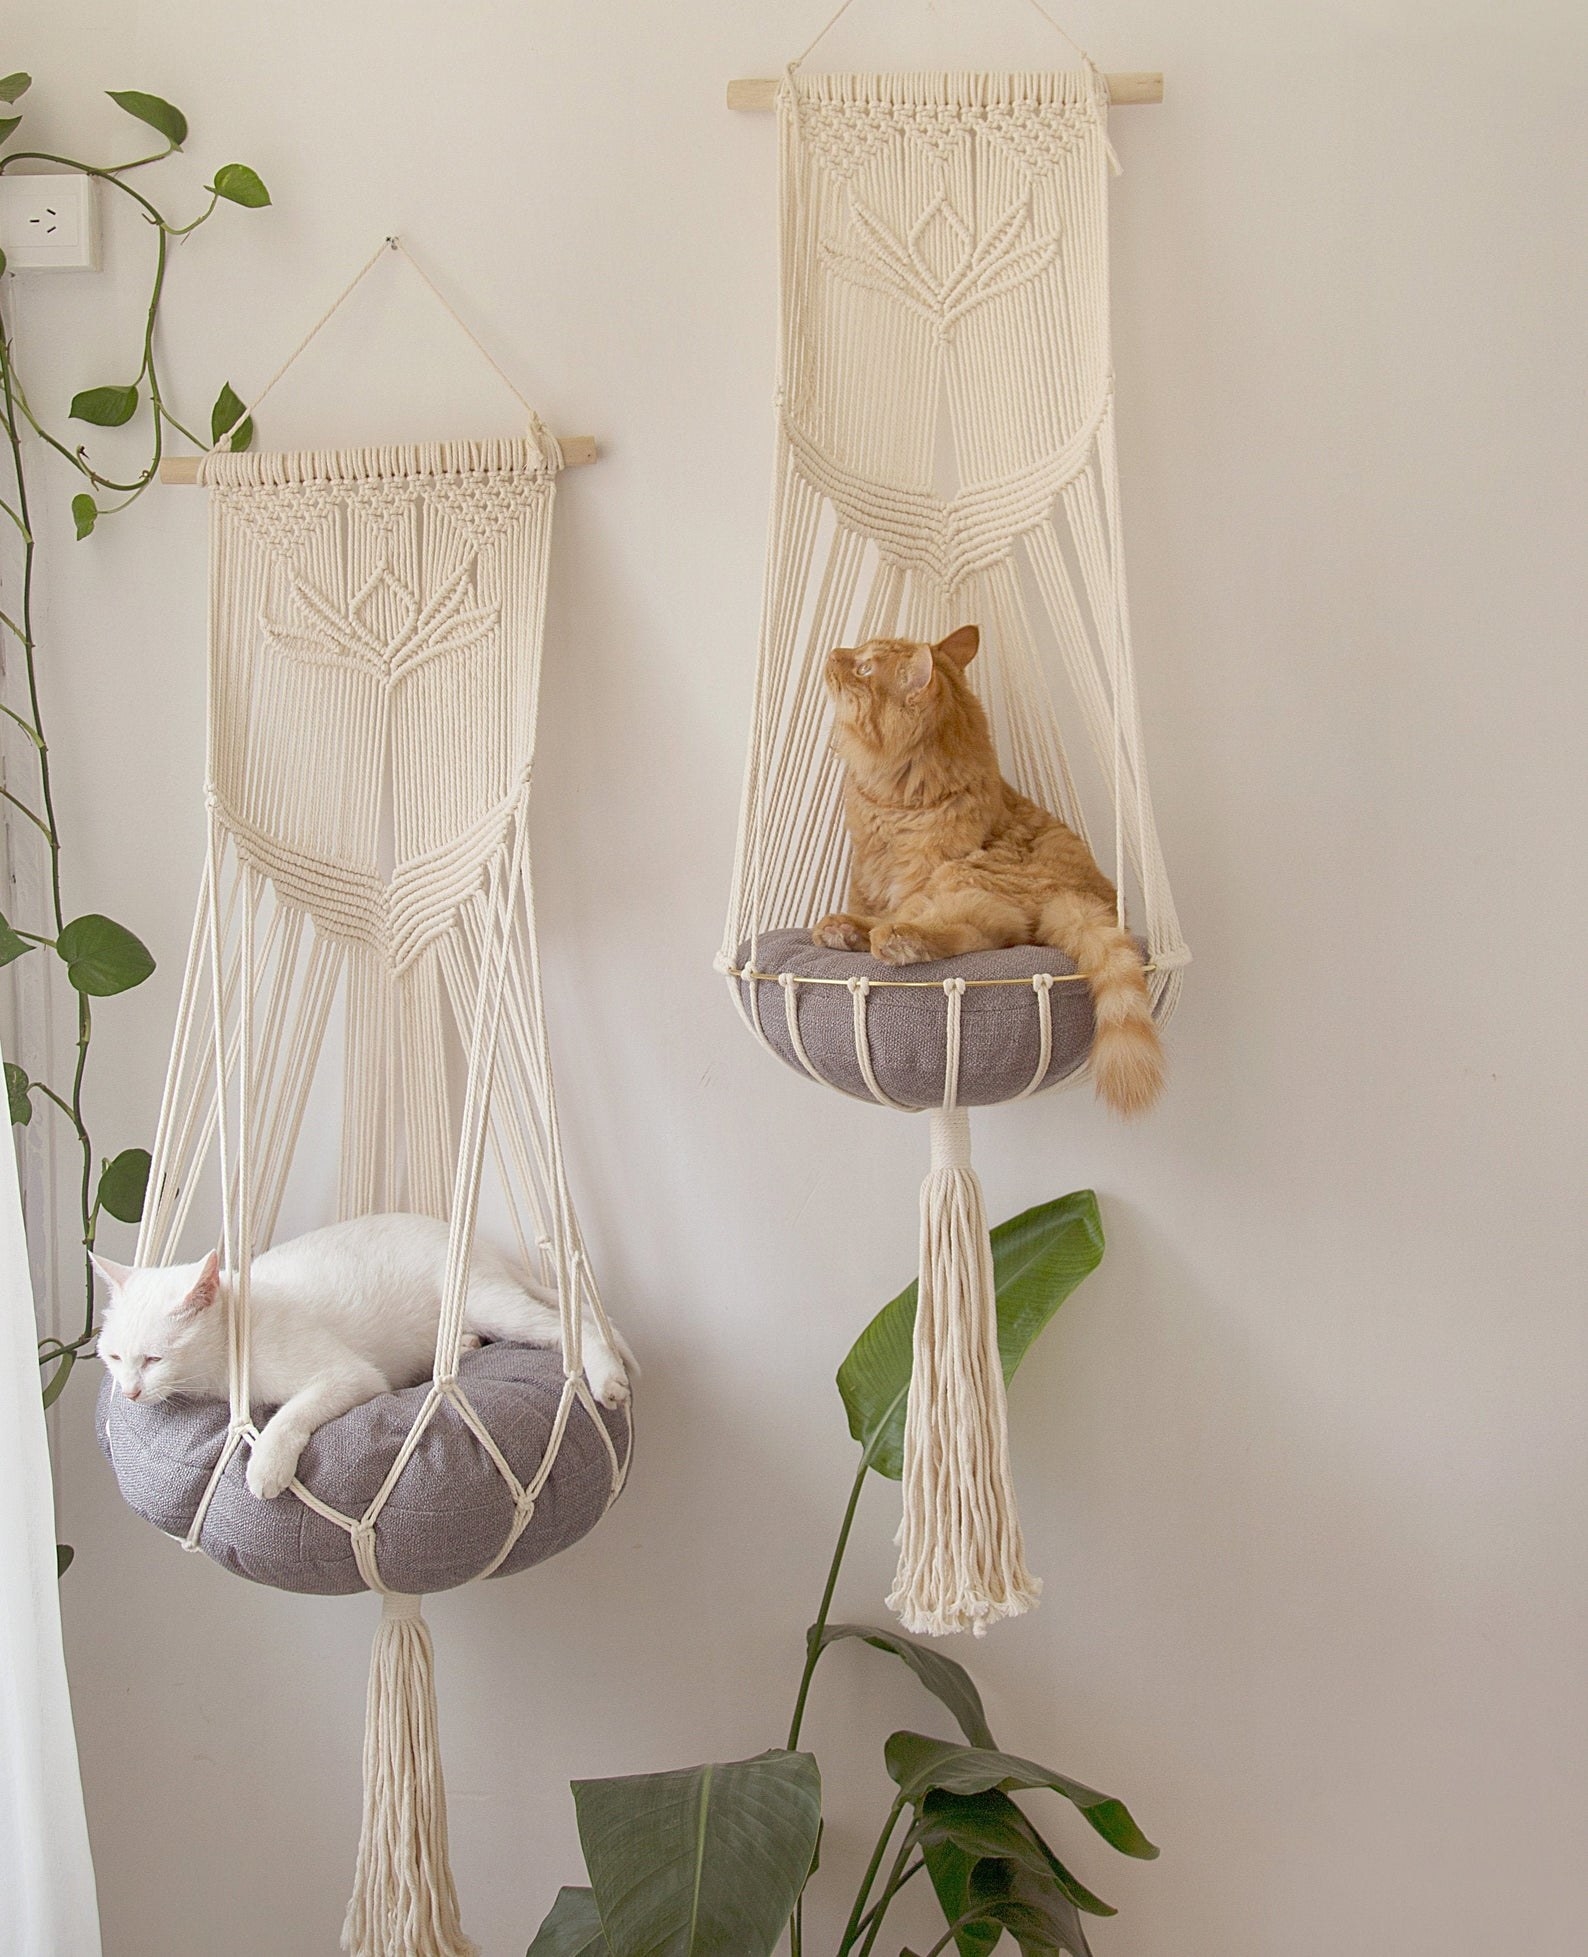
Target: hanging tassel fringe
<point>962,1563</point>
<point>404,1901</point>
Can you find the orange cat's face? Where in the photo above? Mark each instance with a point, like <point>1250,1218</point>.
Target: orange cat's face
<point>886,693</point>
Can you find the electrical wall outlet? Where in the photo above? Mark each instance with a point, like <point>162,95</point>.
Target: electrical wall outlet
<point>49,223</point>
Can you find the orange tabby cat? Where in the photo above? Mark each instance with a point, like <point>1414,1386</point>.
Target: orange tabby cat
<point>948,858</point>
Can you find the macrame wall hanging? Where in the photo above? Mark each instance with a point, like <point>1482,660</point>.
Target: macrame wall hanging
<point>945,455</point>
<point>365,933</point>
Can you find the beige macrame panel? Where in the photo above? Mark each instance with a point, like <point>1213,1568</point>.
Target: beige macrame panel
<point>946,455</point>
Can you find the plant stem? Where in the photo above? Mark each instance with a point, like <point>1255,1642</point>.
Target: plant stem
<point>813,1642</point>
<point>953,1930</point>
<point>890,1889</point>
<point>883,1900</point>
<point>852,1927</point>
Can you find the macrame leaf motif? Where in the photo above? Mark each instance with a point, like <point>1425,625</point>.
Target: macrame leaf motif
<point>942,268</point>
<point>387,629</point>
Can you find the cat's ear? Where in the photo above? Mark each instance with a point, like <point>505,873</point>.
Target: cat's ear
<point>915,674</point>
<point>206,1287</point>
<point>961,646</point>
<point>115,1275</point>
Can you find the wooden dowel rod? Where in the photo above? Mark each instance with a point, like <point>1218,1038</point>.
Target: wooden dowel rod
<point>577,451</point>
<point>1123,91</point>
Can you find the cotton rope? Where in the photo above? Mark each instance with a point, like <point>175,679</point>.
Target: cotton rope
<point>946,454</point>
<point>376,620</point>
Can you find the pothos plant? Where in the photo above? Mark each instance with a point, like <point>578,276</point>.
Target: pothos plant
<point>716,1860</point>
<point>96,956</point>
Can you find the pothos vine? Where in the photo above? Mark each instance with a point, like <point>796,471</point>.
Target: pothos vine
<point>96,956</point>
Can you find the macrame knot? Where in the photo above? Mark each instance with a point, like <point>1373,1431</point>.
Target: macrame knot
<point>950,1139</point>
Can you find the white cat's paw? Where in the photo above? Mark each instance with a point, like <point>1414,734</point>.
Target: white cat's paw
<point>273,1463</point>
<point>470,1342</point>
<point>608,1376</point>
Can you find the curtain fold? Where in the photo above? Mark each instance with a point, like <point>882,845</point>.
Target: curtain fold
<point>50,1907</point>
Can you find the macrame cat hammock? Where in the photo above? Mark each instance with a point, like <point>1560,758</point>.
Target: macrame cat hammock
<point>375,643</point>
<point>945,455</point>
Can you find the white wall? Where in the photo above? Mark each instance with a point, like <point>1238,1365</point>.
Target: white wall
<point>1303,1464</point>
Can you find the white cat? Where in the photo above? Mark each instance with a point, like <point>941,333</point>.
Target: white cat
<point>338,1316</point>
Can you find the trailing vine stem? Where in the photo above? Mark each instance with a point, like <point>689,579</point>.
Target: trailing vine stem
<point>98,957</point>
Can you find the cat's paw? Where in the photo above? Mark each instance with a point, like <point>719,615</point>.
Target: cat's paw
<point>273,1463</point>
<point>897,944</point>
<point>607,1375</point>
<point>840,932</point>
<point>470,1342</point>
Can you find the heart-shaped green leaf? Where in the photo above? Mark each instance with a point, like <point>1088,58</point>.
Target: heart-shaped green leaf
<point>948,1681</point>
<point>103,957</point>
<point>159,114</point>
<point>918,1764</point>
<point>123,1185</point>
<point>227,413</point>
<point>1039,1257</point>
<point>573,1929</point>
<point>17,1085</point>
<point>704,1861</point>
<point>13,87</point>
<point>55,1385</point>
<point>8,127</point>
<point>85,514</point>
<point>11,944</point>
<point>240,185</point>
<point>105,407</point>
<point>64,1553</point>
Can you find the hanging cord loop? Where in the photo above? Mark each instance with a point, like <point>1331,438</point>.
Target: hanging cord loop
<point>392,243</point>
<point>1035,5</point>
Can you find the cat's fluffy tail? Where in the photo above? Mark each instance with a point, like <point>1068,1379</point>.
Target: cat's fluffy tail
<point>1127,1055</point>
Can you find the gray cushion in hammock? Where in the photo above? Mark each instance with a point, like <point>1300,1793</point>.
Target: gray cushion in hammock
<point>907,1026</point>
<point>443,1522</point>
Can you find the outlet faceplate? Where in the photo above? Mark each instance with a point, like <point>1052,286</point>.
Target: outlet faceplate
<point>49,223</point>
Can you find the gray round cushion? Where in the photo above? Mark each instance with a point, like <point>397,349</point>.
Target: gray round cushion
<point>907,1026</point>
<point>448,1515</point>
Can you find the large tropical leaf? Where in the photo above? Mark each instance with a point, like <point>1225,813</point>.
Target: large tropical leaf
<point>918,1764</point>
<point>950,1870</point>
<point>573,1929</point>
<point>941,1676</point>
<point>1041,1920</point>
<point>703,1861</point>
<point>992,1824</point>
<point>1039,1257</point>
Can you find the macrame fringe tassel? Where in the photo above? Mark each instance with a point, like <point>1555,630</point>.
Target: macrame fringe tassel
<point>962,1563</point>
<point>404,1901</point>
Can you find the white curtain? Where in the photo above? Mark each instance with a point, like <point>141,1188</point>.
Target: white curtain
<point>47,1901</point>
